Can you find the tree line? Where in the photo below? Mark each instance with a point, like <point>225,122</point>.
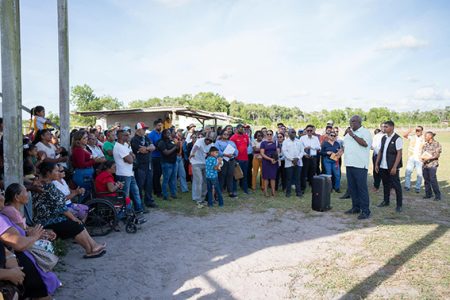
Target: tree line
<point>83,98</point>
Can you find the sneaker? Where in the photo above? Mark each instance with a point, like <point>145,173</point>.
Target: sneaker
<point>152,205</point>
<point>345,196</point>
<point>407,189</point>
<point>398,209</point>
<point>383,204</point>
<point>199,205</point>
<point>165,198</point>
<point>363,216</point>
<point>417,191</point>
<point>352,211</point>
<point>174,197</point>
<point>337,191</point>
<point>437,198</point>
<point>233,196</point>
<point>142,211</point>
<point>288,195</point>
<point>299,195</point>
<point>427,197</point>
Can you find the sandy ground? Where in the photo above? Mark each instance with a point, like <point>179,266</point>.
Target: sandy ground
<point>239,255</point>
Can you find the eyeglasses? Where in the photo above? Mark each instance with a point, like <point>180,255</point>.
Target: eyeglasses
<point>280,136</point>
<point>270,134</point>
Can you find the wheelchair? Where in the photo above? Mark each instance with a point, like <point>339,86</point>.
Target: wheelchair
<point>106,212</point>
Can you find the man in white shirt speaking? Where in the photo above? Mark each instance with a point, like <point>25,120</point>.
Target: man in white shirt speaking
<point>357,143</point>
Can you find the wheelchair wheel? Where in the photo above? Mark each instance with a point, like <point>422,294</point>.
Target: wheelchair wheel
<point>131,227</point>
<point>102,217</point>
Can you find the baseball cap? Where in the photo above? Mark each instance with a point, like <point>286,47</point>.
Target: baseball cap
<point>127,128</point>
<point>141,125</point>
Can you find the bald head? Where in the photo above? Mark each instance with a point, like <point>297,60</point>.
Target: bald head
<point>355,122</point>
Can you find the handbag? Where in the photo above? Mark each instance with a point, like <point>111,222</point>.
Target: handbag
<point>43,254</point>
<point>238,174</point>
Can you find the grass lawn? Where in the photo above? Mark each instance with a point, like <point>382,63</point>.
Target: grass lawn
<point>407,253</point>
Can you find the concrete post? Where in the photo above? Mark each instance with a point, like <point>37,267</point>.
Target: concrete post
<point>12,91</point>
<point>64,88</point>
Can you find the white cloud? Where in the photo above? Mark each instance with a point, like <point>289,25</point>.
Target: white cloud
<point>432,93</point>
<point>405,42</point>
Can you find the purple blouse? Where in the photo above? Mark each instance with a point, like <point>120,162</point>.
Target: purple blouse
<point>50,280</point>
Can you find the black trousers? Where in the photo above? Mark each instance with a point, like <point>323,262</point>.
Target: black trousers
<point>391,181</point>
<point>226,176</point>
<point>308,171</point>
<point>376,176</point>
<point>281,176</point>
<point>431,183</point>
<point>157,172</point>
<point>293,177</point>
<point>250,170</point>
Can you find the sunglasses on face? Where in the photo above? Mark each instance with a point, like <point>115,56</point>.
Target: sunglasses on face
<point>332,135</point>
<point>280,136</point>
<point>309,130</point>
<point>269,134</point>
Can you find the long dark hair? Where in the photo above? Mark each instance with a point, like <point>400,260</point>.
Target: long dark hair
<point>107,165</point>
<point>12,191</point>
<point>39,134</point>
<point>46,167</point>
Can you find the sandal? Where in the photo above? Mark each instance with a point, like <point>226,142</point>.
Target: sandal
<point>95,254</point>
<point>102,247</point>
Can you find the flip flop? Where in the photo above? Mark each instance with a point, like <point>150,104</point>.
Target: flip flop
<point>95,254</point>
<point>102,247</point>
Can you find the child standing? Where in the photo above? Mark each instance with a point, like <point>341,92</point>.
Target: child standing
<point>213,164</point>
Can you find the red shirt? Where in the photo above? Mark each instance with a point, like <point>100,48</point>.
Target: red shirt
<point>81,158</point>
<point>242,141</point>
<point>101,184</point>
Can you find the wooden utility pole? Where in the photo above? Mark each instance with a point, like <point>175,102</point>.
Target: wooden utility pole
<point>64,88</point>
<point>12,91</point>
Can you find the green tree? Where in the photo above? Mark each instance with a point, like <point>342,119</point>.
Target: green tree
<point>84,99</point>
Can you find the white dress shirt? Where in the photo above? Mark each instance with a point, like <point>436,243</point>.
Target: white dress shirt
<point>292,149</point>
<point>312,142</point>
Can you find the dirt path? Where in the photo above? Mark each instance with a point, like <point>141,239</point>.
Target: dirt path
<point>238,255</point>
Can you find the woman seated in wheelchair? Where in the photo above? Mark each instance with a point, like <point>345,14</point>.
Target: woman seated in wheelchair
<point>105,186</point>
<point>51,211</point>
<point>78,210</point>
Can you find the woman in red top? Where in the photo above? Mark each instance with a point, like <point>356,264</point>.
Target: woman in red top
<point>104,182</point>
<point>82,161</point>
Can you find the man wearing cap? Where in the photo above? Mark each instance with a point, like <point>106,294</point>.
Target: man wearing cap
<point>190,131</point>
<point>242,141</point>
<point>142,148</point>
<point>155,136</point>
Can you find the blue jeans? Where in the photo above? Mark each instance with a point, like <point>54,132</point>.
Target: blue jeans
<point>332,168</point>
<point>357,183</point>
<point>84,178</point>
<point>410,166</point>
<point>169,178</point>
<point>144,180</point>
<point>244,181</point>
<point>210,183</point>
<point>130,187</point>
<point>181,172</point>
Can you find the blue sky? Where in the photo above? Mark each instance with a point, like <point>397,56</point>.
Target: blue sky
<point>311,54</point>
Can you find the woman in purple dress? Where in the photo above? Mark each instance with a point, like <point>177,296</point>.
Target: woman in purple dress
<point>269,154</point>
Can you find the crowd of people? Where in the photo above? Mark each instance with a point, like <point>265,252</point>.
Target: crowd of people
<point>159,162</point>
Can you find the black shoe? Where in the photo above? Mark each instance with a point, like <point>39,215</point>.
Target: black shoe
<point>437,198</point>
<point>300,195</point>
<point>427,197</point>
<point>174,197</point>
<point>383,204</point>
<point>159,195</point>
<point>152,205</point>
<point>338,191</point>
<point>407,189</point>
<point>165,198</point>
<point>417,191</point>
<point>352,211</point>
<point>288,195</point>
<point>345,196</point>
<point>233,196</point>
<point>363,216</point>
<point>398,209</point>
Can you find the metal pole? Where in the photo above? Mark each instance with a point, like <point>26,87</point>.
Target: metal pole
<point>64,88</point>
<point>12,91</point>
